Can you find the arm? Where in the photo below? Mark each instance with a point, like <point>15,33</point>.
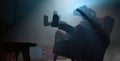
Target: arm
<point>93,20</point>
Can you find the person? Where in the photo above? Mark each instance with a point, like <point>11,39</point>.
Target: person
<point>90,38</point>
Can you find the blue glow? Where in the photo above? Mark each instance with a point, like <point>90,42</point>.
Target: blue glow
<point>66,8</point>
<point>71,5</point>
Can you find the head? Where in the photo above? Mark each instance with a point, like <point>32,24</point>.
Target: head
<point>108,20</point>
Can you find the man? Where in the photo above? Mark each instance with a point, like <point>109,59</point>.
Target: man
<point>90,38</point>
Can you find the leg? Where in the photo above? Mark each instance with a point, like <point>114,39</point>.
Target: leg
<point>16,55</point>
<point>57,23</point>
<point>61,25</point>
<point>55,57</point>
<point>67,28</point>
<point>25,53</point>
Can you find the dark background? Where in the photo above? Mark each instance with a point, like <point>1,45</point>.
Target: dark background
<point>22,21</point>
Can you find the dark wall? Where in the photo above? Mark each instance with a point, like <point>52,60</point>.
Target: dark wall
<point>15,12</point>
<point>6,18</point>
<point>7,10</point>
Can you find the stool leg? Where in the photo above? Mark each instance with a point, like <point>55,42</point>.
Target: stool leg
<point>25,53</point>
<point>16,55</point>
<point>55,57</point>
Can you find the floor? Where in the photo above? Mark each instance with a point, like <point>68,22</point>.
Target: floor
<point>112,54</point>
<point>52,60</point>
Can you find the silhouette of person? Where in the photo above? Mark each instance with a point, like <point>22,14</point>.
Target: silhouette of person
<point>90,38</point>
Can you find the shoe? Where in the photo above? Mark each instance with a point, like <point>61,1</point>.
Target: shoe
<point>55,20</point>
<point>46,23</point>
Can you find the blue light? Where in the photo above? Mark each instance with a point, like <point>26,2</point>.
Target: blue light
<point>66,9</point>
<point>71,5</point>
